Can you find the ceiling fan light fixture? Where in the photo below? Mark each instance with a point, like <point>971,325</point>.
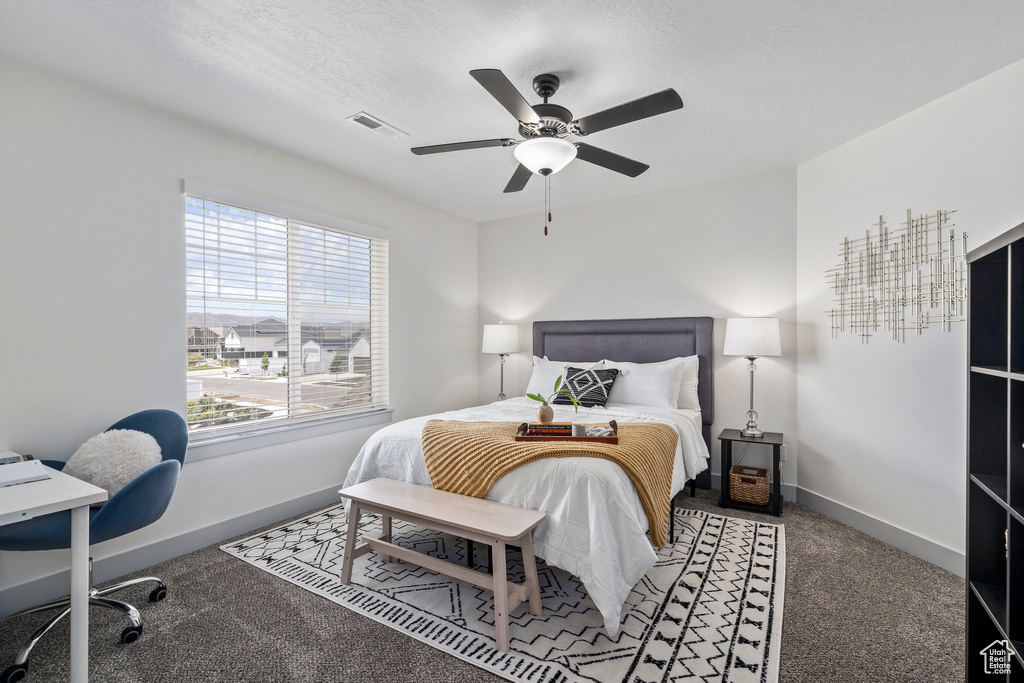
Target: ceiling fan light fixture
<point>545,154</point>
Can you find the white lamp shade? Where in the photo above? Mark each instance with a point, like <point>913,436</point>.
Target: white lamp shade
<point>753,337</point>
<point>501,339</point>
<point>540,153</point>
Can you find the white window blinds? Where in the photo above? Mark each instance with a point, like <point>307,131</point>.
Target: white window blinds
<point>287,320</point>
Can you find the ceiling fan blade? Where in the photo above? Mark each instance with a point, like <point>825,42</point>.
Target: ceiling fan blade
<point>502,90</point>
<point>652,105</point>
<point>457,146</point>
<point>610,160</point>
<point>519,179</point>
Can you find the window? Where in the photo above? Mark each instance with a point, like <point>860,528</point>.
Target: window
<point>287,320</point>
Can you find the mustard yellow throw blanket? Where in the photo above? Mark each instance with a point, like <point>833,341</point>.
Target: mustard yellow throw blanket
<point>469,457</point>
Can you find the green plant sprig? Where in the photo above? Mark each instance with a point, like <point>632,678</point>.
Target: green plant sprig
<point>559,390</point>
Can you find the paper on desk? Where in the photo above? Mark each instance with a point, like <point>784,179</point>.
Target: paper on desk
<point>22,472</point>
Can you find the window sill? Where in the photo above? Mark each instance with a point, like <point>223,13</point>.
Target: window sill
<point>204,446</point>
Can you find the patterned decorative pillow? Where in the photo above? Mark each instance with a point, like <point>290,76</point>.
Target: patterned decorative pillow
<point>589,387</point>
<point>545,372</point>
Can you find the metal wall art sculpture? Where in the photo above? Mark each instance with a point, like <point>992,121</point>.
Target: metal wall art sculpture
<point>900,280</point>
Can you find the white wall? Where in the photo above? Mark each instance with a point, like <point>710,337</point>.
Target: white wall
<point>92,251</point>
<point>92,270</point>
<point>882,426</point>
<point>720,249</point>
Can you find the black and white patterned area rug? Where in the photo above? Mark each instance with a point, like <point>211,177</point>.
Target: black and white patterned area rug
<point>709,610</point>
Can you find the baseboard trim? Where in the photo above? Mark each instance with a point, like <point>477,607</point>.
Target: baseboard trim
<point>918,546</point>
<point>51,586</point>
<point>907,541</point>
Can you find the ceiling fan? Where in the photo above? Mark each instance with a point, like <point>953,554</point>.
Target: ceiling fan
<point>545,128</point>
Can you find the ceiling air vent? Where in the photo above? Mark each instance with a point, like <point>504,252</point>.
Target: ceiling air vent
<point>376,125</point>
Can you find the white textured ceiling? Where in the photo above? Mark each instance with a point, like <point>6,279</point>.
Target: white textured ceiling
<point>766,83</point>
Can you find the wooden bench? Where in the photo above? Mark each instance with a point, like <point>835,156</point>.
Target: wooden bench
<point>484,521</point>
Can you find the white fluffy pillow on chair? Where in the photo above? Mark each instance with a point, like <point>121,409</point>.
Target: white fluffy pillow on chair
<point>112,459</point>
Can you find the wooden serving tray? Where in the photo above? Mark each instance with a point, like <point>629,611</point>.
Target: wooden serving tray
<point>613,439</point>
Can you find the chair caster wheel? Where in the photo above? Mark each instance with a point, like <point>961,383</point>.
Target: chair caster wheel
<point>131,634</point>
<point>13,674</point>
<point>158,594</point>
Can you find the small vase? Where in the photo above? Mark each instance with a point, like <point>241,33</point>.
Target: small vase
<point>545,413</point>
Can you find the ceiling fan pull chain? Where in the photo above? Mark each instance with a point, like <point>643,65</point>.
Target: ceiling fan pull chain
<point>547,202</point>
<point>549,199</point>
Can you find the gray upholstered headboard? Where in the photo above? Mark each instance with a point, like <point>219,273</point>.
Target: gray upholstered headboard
<point>637,341</point>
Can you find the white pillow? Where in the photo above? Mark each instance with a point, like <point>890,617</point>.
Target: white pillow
<point>112,459</point>
<point>545,372</point>
<point>647,384</point>
<point>688,397</point>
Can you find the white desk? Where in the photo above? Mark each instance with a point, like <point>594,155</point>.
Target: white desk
<point>62,492</point>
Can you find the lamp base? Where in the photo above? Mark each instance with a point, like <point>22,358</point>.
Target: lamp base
<point>752,432</point>
<point>501,390</point>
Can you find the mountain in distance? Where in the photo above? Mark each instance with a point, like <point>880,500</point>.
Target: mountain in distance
<point>346,327</point>
<point>217,319</point>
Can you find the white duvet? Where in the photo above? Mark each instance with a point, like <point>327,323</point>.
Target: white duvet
<point>595,526</point>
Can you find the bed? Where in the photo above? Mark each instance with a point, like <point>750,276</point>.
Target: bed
<point>595,526</point>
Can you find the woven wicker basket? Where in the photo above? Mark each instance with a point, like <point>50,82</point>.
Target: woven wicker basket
<point>748,484</point>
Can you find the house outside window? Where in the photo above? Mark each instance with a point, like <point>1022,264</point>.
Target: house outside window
<point>286,320</point>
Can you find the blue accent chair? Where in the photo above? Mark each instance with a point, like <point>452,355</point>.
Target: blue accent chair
<point>138,504</point>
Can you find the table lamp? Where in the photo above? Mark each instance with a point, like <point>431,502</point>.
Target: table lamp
<point>501,339</point>
<point>752,338</point>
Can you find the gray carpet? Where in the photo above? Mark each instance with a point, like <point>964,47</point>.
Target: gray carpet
<point>856,610</point>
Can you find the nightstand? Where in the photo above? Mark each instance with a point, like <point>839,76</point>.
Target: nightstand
<point>774,439</point>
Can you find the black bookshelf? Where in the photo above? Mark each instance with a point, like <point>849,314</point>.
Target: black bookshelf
<point>995,455</point>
